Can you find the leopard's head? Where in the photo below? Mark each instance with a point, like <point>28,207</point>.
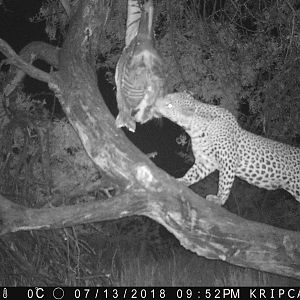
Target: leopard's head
<point>177,107</point>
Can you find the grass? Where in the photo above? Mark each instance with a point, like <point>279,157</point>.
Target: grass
<point>105,255</point>
<point>184,268</point>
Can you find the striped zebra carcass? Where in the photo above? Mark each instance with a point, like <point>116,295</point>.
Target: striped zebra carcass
<point>139,73</point>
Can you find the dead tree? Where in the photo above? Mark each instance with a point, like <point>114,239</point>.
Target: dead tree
<point>143,189</point>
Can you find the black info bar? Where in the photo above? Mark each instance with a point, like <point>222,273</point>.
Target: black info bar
<point>149,293</point>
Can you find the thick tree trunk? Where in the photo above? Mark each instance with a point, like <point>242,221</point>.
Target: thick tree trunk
<point>202,227</point>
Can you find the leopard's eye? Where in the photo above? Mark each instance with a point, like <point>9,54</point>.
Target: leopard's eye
<point>169,105</point>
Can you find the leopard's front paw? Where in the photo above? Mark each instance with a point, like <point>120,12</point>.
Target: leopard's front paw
<point>213,198</point>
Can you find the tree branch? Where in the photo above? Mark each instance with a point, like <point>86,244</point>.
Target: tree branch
<point>33,51</point>
<point>201,227</point>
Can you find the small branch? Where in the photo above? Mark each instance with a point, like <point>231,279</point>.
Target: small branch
<point>40,50</point>
<point>66,6</point>
<point>17,61</point>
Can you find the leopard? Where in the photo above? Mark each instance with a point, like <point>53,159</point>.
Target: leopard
<point>220,143</point>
